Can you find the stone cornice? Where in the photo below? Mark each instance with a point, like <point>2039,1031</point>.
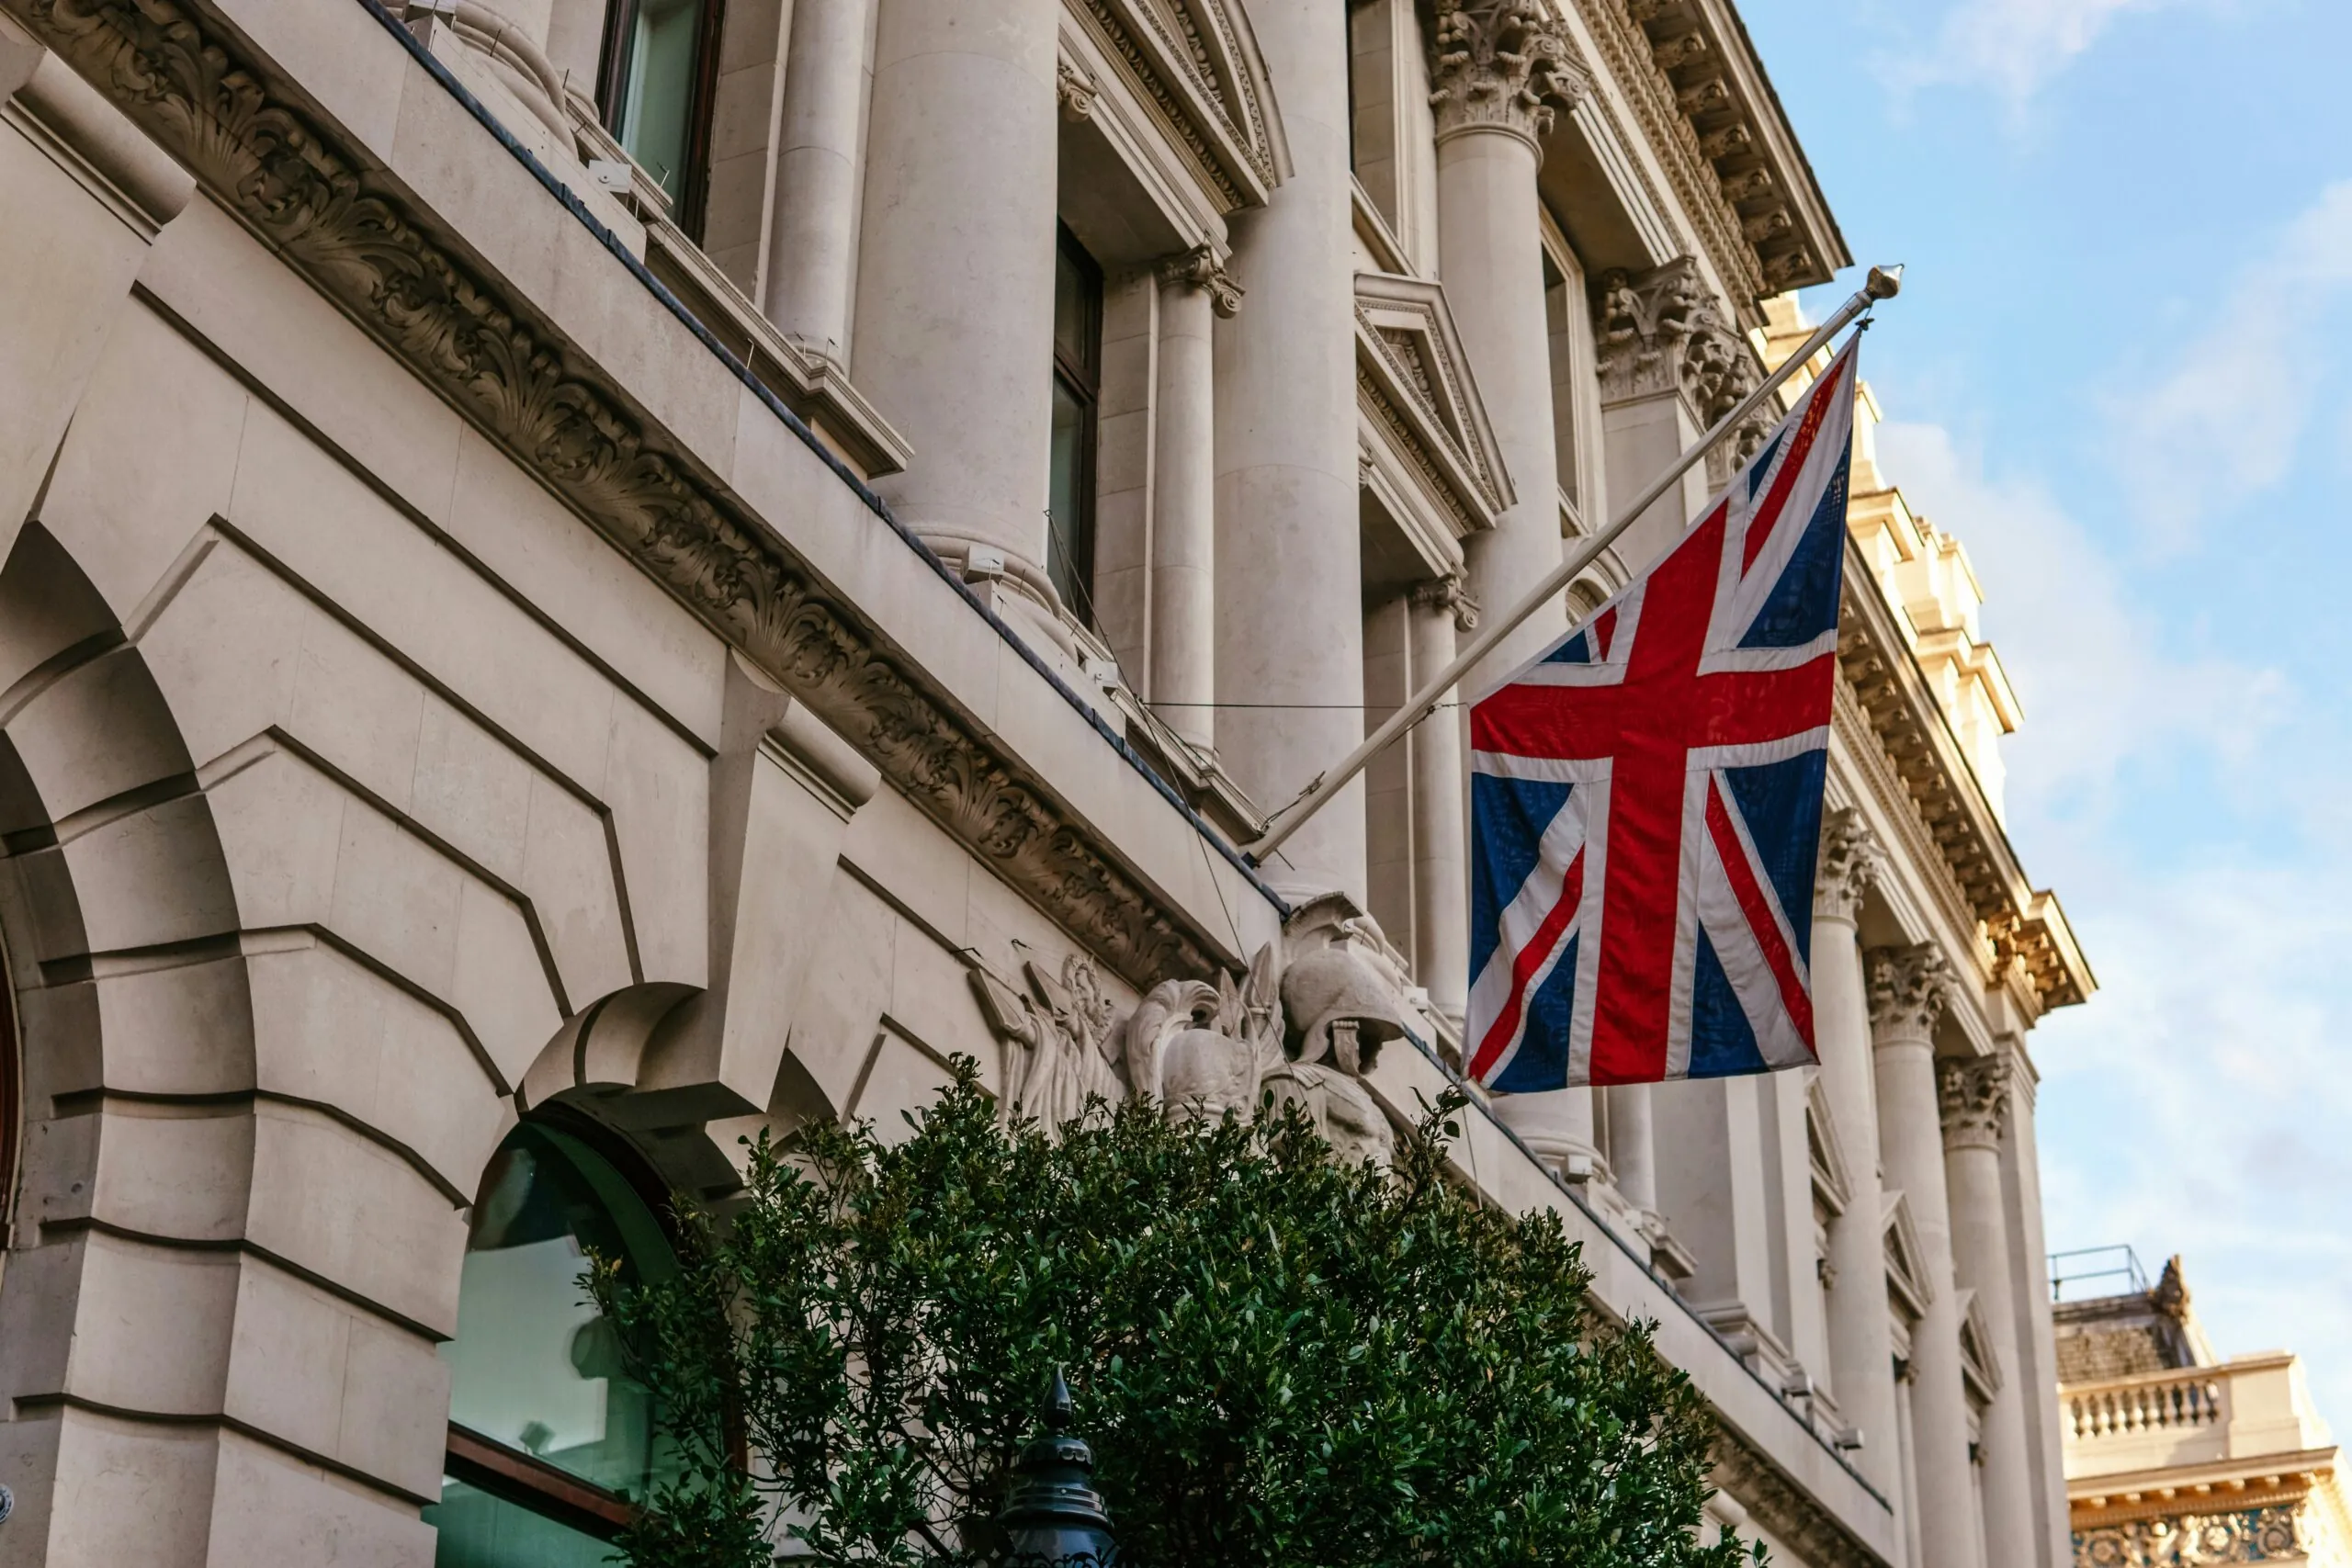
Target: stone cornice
<point>1707,111</point>
<point>274,159</point>
<point>1722,89</point>
<point>1785,1508</point>
<point>1907,726</point>
<point>1194,64</point>
<point>1500,65</point>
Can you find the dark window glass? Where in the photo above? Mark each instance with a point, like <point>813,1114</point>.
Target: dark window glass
<point>548,1434</point>
<point>1069,496</point>
<point>657,87</point>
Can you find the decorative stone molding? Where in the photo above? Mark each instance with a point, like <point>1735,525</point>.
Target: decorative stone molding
<point>1662,331</point>
<point>1910,988</point>
<point>275,162</point>
<point>1194,67</point>
<point>2268,1534</point>
<point>1449,593</point>
<point>1706,107</point>
<point>1904,746</point>
<point>1203,269</point>
<point>1972,1098</point>
<point>1850,862</point>
<point>1304,1025</point>
<point>1809,1532</point>
<point>1907,1284</point>
<point>1501,65</point>
<point>1076,94</point>
<point>1417,394</point>
<point>1062,1026</point>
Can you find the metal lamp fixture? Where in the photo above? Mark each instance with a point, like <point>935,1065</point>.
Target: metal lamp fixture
<point>1054,1518</point>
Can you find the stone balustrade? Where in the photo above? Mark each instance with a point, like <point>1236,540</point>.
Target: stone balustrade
<point>2254,1404</point>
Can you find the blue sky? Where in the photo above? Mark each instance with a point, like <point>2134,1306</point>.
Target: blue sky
<point>2121,373</point>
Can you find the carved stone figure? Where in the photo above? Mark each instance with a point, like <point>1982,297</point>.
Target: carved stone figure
<point>1062,1025</point>
<point>1662,331</point>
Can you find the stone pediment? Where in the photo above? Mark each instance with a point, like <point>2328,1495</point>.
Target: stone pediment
<point>1194,68</point>
<point>1832,1185</point>
<point>1419,405</point>
<point>1979,1367</point>
<point>1906,1273</point>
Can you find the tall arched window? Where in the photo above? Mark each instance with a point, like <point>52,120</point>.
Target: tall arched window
<point>548,1436</point>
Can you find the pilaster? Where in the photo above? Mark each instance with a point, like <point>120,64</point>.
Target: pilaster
<point>1442,608</point>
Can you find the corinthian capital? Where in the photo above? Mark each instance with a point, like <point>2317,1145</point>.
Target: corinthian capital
<point>1849,863</point>
<point>1662,331</point>
<point>1500,65</point>
<point>1974,1100</point>
<point>1909,987</point>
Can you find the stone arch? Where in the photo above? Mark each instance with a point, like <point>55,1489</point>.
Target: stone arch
<point>226,1278</point>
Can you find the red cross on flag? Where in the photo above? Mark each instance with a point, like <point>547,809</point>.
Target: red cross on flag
<point>1645,795</point>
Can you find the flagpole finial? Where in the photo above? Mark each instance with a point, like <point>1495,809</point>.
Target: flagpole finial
<point>1883,283</point>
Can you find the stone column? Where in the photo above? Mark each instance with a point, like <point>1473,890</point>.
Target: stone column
<point>2037,1349</point>
<point>1500,68</point>
<point>1862,1355</point>
<point>1440,813</point>
<point>813,243</point>
<point>953,335</point>
<point>1194,292</point>
<point>1974,1099</point>
<point>1632,1153</point>
<point>1289,574</point>
<point>1909,989</point>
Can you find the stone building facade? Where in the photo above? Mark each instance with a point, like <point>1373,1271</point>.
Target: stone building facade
<point>583,576</point>
<point>2176,1457</point>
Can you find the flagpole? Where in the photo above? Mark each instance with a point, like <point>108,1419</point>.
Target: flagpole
<point>1883,283</point>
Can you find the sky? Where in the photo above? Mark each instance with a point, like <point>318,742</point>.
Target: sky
<point>2120,372</point>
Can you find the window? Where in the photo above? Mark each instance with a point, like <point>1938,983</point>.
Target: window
<point>546,1431</point>
<point>1078,356</point>
<point>655,89</point>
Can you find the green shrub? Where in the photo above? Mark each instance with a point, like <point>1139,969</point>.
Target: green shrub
<point>1281,1361</point>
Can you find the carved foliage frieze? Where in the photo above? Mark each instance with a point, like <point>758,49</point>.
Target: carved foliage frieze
<point>2269,1534</point>
<point>178,73</point>
<point>1196,70</point>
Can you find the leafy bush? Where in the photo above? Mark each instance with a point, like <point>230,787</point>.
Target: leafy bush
<point>1279,1360</point>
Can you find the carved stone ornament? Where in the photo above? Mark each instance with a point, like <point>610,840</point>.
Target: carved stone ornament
<point>1849,863</point>
<point>1501,65</point>
<point>1063,1027</point>
<point>1302,1025</point>
<point>1451,594</point>
<point>1076,94</point>
<point>2269,1534</point>
<point>1661,331</point>
<point>276,165</point>
<point>1201,268</point>
<point>1194,67</point>
<point>1973,1098</point>
<point>1909,989</point>
<point>1804,1528</point>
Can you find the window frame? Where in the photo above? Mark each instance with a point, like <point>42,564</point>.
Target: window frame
<point>1085,383</point>
<point>687,206</point>
<point>523,1479</point>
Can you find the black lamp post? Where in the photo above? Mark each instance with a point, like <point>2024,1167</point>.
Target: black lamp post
<point>1054,1518</point>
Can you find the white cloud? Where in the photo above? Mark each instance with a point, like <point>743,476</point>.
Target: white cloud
<point>2190,1106</point>
<point>2009,46</point>
<point>2227,420</point>
<point>2102,680</point>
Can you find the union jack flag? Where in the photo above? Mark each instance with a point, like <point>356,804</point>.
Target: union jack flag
<point>1645,795</point>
